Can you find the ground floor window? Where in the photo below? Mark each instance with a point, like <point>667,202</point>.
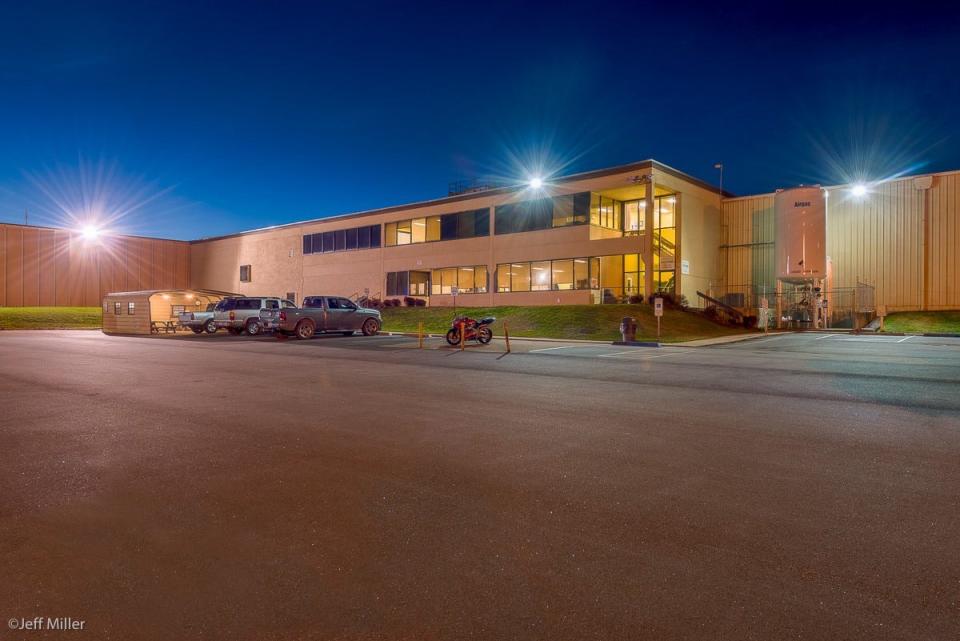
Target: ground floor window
<point>470,279</point>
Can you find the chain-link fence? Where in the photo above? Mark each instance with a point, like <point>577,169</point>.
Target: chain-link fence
<point>845,307</point>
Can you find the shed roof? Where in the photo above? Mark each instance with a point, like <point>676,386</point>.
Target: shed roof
<point>151,292</point>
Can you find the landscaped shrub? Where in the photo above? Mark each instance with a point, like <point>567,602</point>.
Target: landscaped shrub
<point>409,301</point>
<point>636,300</point>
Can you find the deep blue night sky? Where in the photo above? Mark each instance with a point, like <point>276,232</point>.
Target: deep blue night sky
<point>201,119</point>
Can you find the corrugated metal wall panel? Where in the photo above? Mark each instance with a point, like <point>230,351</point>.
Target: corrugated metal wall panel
<point>46,267</point>
<point>14,267</point>
<point>62,260</point>
<point>944,243</point>
<point>31,267</point>
<point>3,265</point>
<point>48,272</point>
<point>878,239</point>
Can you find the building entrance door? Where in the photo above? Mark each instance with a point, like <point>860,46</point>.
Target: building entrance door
<point>419,283</point>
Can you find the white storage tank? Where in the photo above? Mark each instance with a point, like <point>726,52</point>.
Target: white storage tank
<point>800,215</point>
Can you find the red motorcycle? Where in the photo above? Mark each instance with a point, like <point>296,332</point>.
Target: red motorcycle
<point>478,330</point>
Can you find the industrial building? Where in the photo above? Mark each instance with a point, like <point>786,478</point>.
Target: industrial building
<point>612,235</point>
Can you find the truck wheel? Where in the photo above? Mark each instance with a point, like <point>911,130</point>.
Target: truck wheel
<point>370,327</point>
<point>305,329</point>
<point>197,330</point>
<point>210,327</point>
<point>253,327</point>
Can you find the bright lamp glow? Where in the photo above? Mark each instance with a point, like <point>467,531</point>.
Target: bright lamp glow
<point>90,232</point>
<point>536,182</point>
<point>859,190</point>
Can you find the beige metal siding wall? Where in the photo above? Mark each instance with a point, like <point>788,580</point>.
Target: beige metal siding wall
<point>746,246</point>
<point>56,267</point>
<point>878,240</point>
<point>943,250</point>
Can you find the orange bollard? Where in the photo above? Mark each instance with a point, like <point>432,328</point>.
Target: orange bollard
<point>506,335</point>
<point>463,335</point>
<point>420,334</point>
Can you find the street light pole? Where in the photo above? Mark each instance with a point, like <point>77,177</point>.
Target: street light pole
<point>719,166</point>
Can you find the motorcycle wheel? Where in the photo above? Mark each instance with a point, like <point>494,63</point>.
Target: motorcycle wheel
<point>453,337</point>
<point>484,335</point>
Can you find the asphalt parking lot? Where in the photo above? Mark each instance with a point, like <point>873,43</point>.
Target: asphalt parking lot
<point>796,486</point>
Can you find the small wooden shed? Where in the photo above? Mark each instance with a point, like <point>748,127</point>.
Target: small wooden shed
<point>140,312</point>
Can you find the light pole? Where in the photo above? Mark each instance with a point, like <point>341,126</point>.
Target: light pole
<point>719,166</point>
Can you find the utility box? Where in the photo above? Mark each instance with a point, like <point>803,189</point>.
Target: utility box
<point>628,329</point>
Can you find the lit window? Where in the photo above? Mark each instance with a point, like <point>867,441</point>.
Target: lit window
<point>131,309</point>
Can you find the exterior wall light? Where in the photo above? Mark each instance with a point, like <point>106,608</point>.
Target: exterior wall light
<point>859,190</point>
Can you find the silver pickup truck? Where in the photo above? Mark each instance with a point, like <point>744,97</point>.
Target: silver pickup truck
<point>199,322</point>
<point>322,314</point>
<point>241,314</point>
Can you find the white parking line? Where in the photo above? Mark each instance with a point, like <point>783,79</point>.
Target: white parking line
<point>904,339</point>
<point>820,338</point>
<point>646,355</point>
<point>547,349</point>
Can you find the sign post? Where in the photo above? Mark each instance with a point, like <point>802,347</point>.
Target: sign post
<point>454,290</point>
<point>765,315</point>
<point>658,312</point>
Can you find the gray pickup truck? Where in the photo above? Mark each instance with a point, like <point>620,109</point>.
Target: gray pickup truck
<point>199,322</point>
<point>322,314</point>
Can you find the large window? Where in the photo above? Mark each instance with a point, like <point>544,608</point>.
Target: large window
<point>398,283</point>
<point>544,275</point>
<point>464,224</point>
<point>544,213</point>
<point>617,277</point>
<point>471,279</point>
<point>529,215</point>
<point>634,218</point>
<point>606,212</point>
<point>365,237</point>
<point>665,243</point>
<point>245,275</point>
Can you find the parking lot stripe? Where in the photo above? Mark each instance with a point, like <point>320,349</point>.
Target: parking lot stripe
<point>904,339</point>
<point>547,349</point>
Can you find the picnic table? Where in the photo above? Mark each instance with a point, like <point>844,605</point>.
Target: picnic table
<point>163,327</point>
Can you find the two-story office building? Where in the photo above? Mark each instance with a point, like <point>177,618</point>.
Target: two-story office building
<point>602,236</point>
<point>613,235</point>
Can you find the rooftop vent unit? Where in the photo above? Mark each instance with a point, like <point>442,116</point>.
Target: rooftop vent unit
<point>458,187</point>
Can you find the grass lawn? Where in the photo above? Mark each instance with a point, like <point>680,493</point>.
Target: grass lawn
<point>593,322</point>
<point>923,322</point>
<point>49,317</point>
